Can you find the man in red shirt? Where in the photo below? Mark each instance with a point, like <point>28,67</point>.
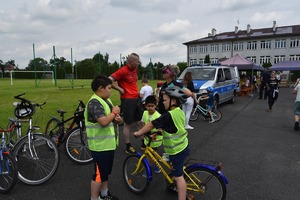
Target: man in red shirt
<point>127,77</point>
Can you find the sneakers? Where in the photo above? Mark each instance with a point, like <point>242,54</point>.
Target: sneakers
<point>188,127</point>
<point>296,127</point>
<point>212,121</point>
<point>156,169</point>
<point>108,197</point>
<point>130,150</point>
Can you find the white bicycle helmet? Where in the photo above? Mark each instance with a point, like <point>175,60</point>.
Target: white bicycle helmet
<point>176,92</point>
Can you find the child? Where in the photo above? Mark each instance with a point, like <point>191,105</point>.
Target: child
<point>145,91</point>
<point>174,134</point>
<point>102,137</point>
<point>149,115</point>
<point>211,102</point>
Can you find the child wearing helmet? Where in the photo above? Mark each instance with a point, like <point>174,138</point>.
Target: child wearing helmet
<point>211,102</point>
<point>175,139</point>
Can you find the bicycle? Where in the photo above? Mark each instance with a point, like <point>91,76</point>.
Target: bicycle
<point>204,180</point>
<point>74,137</point>
<point>37,163</point>
<point>8,167</point>
<point>204,111</point>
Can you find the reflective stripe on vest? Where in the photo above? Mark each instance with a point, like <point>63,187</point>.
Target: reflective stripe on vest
<point>176,142</point>
<point>100,138</point>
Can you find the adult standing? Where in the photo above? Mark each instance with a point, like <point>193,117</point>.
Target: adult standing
<point>187,107</point>
<point>264,79</point>
<point>170,73</point>
<point>127,77</point>
<point>272,91</point>
<point>297,104</point>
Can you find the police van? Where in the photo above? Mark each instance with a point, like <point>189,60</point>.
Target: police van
<point>225,80</point>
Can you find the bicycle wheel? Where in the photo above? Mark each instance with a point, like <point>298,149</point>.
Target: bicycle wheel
<point>211,186</point>
<point>8,173</point>
<point>136,182</point>
<point>77,148</point>
<point>53,130</point>
<point>217,115</point>
<point>194,114</point>
<point>37,163</point>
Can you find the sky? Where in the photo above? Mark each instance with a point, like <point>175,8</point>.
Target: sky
<point>154,29</point>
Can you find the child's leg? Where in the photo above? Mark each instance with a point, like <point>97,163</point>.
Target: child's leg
<point>181,187</point>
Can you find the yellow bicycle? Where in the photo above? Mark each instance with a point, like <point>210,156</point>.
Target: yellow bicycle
<point>204,180</point>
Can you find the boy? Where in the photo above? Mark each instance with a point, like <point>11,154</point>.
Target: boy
<point>145,91</point>
<point>100,117</point>
<point>211,102</point>
<point>149,115</point>
<point>175,139</point>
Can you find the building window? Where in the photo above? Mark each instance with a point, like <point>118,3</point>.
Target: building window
<point>278,59</point>
<point>193,49</point>
<point>295,42</point>
<point>294,57</point>
<point>226,47</point>
<point>201,61</point>
<point>252,45</point>
<point>214,47</point>
<point>193,62</point>
<point>203,48</point>
<point>214,60</point>
<point>279,44</point>
<point>238,46</point>
<point>265,44</point>
<point>252,58</point>
<point>265,59</point>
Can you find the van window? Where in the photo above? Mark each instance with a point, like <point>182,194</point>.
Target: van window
<point>200,73</point>
<point>227,74</point>
<point>220,75</point>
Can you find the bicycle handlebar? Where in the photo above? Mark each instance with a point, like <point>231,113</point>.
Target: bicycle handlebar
<point>23,100</point>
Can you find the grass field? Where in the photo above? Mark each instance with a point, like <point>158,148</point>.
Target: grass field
<point>46,91</point>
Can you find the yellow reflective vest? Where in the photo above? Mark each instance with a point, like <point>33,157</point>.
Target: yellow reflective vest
<point>158,138</point>
<point>100,138</point>
<point>174,143</point>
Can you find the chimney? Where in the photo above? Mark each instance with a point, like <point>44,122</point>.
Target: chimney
<point>213,32</point>
<point>274,26</point>
<point>248,28</point>
<point>236,29</point>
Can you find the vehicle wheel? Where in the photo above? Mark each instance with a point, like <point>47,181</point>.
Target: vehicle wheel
<point>37,163</point>
<point>232,100</point>
<point>211,186</point>
<point>53,130</point>
<point>217,115</point>
<point>76,147</point>
<point>216,102</point>
<point>9,173</point>
<point>194,114</point>
<point>133,177</point>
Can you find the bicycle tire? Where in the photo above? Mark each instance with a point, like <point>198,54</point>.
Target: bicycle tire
<point>212,185</point>
<point>217,115</point>
<point>77,149</point>
<point>136,183</point>
<point>53,130</point>
<point>194,114</point>
<point>9,173</point>
<point>41,167</point>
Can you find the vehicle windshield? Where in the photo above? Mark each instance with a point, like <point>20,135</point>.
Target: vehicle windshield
<point>200,73</point>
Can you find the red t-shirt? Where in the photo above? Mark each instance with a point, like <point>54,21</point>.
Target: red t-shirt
<point>127,79</point>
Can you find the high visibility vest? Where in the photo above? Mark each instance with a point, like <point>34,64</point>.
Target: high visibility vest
<point>176,142</point>
<point>100,138</point>
<point>157,141</point>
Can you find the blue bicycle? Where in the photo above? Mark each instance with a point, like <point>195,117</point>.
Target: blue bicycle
<point>8,167</point>
<point>201,108</point>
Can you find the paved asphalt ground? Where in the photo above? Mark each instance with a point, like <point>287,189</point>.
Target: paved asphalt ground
<point>260,153</point>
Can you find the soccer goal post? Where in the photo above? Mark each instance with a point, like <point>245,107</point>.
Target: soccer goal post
<point>45,74</point>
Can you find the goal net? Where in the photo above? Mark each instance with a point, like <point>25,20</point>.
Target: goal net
<point>35,75</point>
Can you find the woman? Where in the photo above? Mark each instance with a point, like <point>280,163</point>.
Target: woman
<point>187,107</point>
<point>170,73</point>
<point>272,91</point>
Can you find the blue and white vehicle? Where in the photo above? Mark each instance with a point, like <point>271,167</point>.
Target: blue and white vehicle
<point>225,80</point>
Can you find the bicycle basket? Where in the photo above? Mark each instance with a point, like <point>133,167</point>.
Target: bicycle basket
<point>24,110</point>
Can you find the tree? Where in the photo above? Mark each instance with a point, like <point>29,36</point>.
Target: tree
<point>2,67</point>
<point>207,59</point>
<point>40,65</point>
